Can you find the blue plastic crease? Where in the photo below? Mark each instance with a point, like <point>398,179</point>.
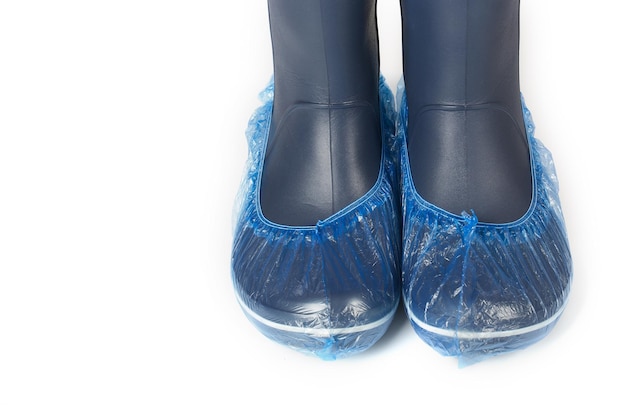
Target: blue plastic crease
<point>474,290</point>
<point>331,289</point>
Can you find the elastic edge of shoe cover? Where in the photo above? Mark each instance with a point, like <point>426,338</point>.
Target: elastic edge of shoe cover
<point>495,334</point>
<point>319,332</point>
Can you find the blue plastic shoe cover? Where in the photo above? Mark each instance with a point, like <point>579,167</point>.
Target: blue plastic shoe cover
<point>474,290</point>
<point>331,289</point>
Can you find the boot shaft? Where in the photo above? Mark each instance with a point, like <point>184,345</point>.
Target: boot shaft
<point>462,53</point>
<point>325,51</point>
<point>466,137</point>
<point>324,145</point>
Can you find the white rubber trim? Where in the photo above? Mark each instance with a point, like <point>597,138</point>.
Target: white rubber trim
<point>463,334</point>
<point>317,332</point>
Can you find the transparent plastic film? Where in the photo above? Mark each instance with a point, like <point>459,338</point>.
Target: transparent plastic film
<point>474,290</point>
<point>331,289</point>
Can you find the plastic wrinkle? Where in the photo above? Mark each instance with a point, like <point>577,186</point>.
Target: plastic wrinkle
<point>331,289</point>
<point>474,290</point>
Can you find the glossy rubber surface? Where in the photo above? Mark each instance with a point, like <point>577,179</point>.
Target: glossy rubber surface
<point>466,137</point>
<point>331,289</point>
<point>473,289</point>
<point>324,145</point>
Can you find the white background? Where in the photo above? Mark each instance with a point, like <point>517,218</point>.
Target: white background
<point>121,150</point>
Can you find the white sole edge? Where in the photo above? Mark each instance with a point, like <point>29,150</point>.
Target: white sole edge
<point>318,332</point>
<point>462,334</point>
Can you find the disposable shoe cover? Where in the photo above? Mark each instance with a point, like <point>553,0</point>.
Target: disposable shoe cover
<point>331,289</point>
<point>474,290</point>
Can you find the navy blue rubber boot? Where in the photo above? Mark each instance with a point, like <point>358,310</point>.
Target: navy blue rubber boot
<point>486,262</point>
<point>316,251</point>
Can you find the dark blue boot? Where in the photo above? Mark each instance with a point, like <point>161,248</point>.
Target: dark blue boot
<point>316,253</point>
<point>486,266</point>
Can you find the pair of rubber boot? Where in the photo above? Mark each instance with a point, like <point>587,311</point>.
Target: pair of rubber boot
<point>449,204</point>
